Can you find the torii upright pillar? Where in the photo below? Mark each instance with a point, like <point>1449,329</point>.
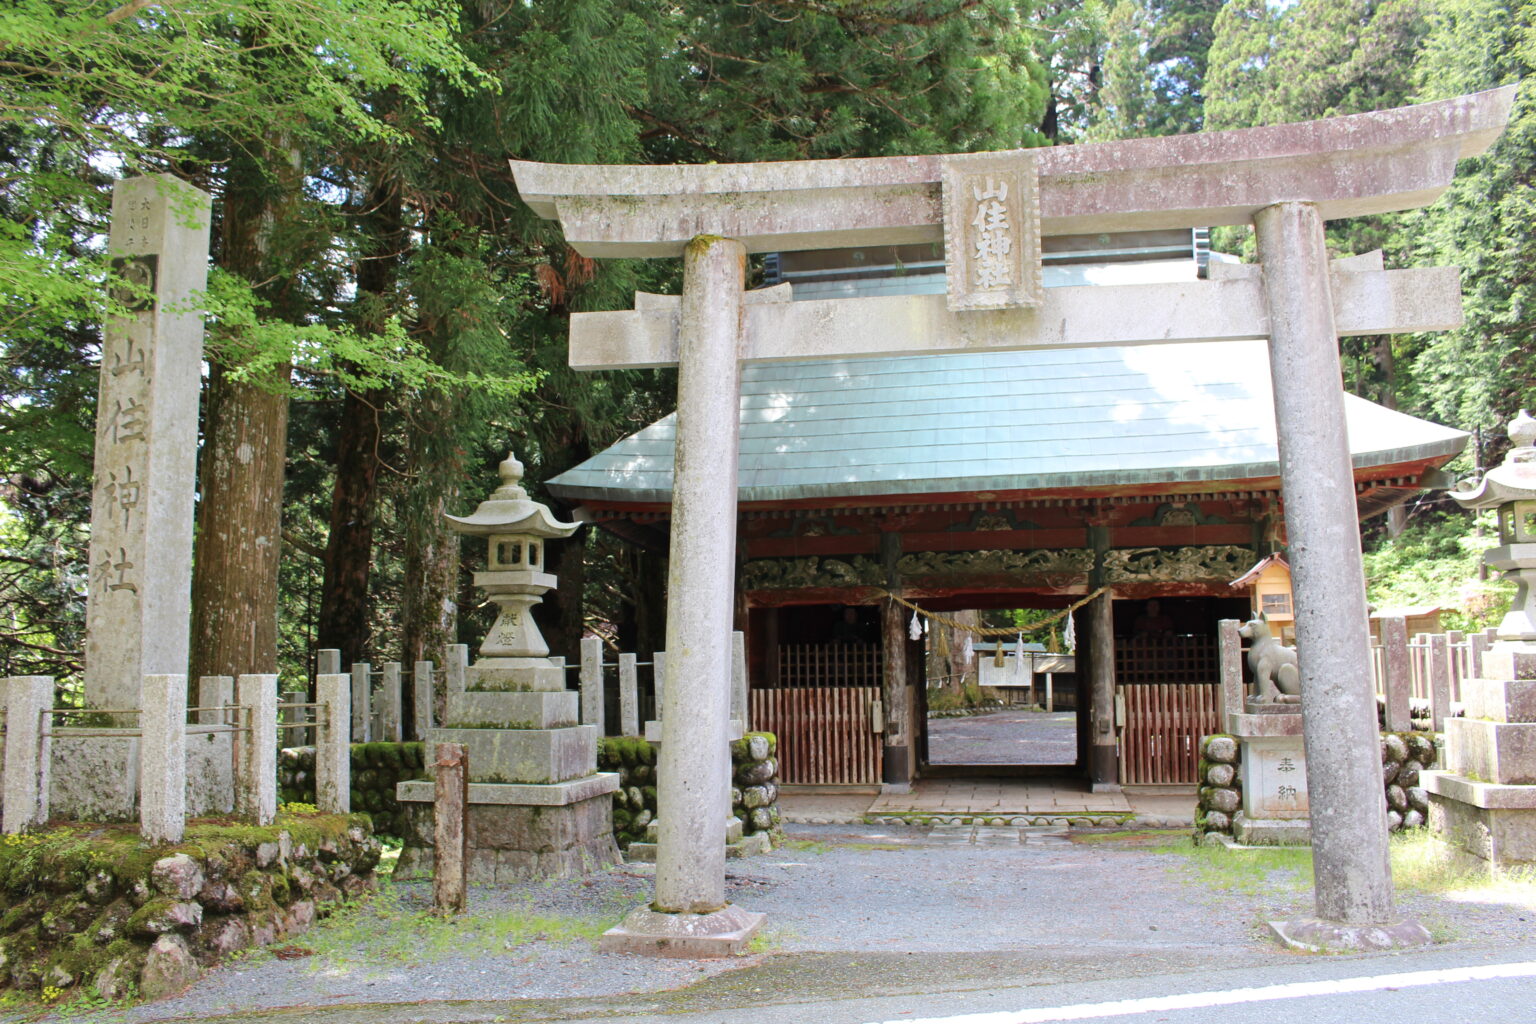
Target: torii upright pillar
<point>1338,701</point>
<point>690,916</point>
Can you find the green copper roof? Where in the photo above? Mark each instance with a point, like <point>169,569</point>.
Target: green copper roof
<point>1042,420</point>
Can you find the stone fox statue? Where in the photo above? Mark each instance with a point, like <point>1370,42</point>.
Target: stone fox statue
<point>1273,664</point>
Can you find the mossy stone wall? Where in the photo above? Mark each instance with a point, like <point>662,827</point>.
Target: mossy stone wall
<point>96,908</point>
<point>754,783</point>
<point>376,767</point>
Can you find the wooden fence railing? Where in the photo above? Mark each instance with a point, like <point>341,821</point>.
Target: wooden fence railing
<point>825,733</point>
<point>1160,739</point>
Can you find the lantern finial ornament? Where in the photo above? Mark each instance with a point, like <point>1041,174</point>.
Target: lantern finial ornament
<point>515,528</point>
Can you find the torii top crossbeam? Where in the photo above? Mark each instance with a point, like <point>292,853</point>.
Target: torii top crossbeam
<point>1348,166</point>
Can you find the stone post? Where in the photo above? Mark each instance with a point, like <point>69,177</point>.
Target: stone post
<point>629,697</point>
<point>1103,753</point>
<point>896,760</point>
<point>450,807</point>
<point>739,678</point>
<point>327,661</point>
<point>27,752</point>
<point>215,692</point>
<point>689,914</point>
<point>592,683</point>
<point>1439,681</point>
<point>421,699</point>
<point>163,758</point>
<point>139,610</point>
<point>362,702</point>
<point>333,750</point>
<point>1229,646</point>
<point>1349,819</point>
<point>256,749</point>
<point>1479,643</point>
<point>292,719</point>
<point>1397,674</point>
<point>390,704</point>
<point>457,669</point>
<point>658,680</point>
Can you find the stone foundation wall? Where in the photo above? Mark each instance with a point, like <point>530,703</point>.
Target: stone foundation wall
<point>754,783</point>
<point>98,909</point>
<point>376,767</point>
<point>1403,756</point>
<point>1221,785</point>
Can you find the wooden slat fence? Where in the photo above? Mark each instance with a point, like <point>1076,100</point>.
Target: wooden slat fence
<point>819,706</point>
<point>824,733</point>
<point>1160,744</point>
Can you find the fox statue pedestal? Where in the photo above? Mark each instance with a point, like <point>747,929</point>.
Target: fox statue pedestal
<point>538,806</point>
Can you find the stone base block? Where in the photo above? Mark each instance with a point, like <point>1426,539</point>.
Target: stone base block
<point>516,674</point>
<point>210,770</point>
<point>1314,935</point>
<point>526,755</point>
<point>1501,752</point>
<point>513,709</point>
<point>1500,835</point>
<point>725,932</point>
<point>553,795</point>
<point>518,843</point>
<point>1271,831</point>
<point>1500,700</point>
<point>94,778</point>
<point>1510,661</point>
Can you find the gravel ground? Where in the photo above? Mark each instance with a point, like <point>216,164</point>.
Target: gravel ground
<point>1008,736</point>
<point>921,895</point>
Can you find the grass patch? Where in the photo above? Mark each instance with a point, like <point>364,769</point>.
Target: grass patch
<point>382,929</point>
<point>1423,863</point>
<point>807,846</point>
<point>1251,872</point>
<point>1133,837</point>
<point>873,846</point>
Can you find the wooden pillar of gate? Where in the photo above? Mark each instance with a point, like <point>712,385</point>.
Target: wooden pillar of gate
<point>897,760</point>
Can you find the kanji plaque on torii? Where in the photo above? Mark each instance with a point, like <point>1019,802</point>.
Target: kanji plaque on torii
<point>1284,180</point>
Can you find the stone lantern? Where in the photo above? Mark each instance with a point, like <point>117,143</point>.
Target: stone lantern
<point>1511,489</point>
<point>538,806</point>
<point>1484,802</point>
<point>515,529</point>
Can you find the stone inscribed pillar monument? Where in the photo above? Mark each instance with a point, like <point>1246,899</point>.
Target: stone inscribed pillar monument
<point>138,612</point>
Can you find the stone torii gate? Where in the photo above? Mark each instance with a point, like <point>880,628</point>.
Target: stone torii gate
<point>990,210</point>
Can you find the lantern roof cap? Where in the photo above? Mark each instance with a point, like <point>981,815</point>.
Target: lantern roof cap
<point>1515,478</point>
<point>510,510</point>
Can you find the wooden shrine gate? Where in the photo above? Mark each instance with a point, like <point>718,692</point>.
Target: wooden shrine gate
<point>1170,692</point>
<point>822,704</point>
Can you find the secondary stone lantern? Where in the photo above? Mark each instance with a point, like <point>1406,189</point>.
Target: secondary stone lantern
<point>1485,800</point>
<point>515,529</point>
<point>1511,490</point>
<point>538,807</point>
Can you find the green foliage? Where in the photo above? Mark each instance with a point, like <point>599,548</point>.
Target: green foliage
<point>1435,562</point>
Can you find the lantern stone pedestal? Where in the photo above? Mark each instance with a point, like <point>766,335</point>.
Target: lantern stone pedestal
<point>538,807</point>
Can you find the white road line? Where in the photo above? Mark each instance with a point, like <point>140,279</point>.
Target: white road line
<point>1197,1000</point>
